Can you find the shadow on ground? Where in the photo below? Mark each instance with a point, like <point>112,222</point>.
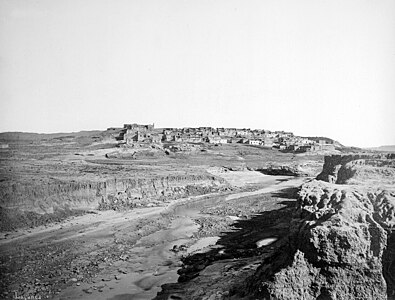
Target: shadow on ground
<point>246,239</point>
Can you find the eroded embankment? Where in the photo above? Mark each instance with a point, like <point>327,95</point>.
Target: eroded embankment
<point>35,203</point>
<point>340,237</point>
<point>338,245</point>
<point>359,169</point>
<point>117,255</point>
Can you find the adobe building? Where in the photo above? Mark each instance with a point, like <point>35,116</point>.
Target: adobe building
<point>137,133</point>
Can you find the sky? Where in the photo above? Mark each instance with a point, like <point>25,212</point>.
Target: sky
<point>313,67</point>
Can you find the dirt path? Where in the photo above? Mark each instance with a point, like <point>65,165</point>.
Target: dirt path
<point>127,255</point>
<point>283,184</point>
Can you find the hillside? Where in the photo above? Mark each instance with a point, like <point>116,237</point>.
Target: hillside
<point>326,139</point>
<point>386,148</point>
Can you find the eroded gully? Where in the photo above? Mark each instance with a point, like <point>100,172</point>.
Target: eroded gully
<point>153,261</point>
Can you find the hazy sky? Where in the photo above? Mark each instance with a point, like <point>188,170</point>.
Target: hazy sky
<point>313,67</point>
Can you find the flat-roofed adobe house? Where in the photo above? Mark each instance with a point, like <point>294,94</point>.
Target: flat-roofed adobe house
<point>138,137</point>
<point>139,127</point>
<point>243,132</point>
<point>194,138</point>
<point>234,140</point>
<point>267,143</point>
<point>137,133</point>
<point>157,138</point>
<point>255,142</point>
<point>213,139</point>
<point>230,131</point>
<point>304,148</point>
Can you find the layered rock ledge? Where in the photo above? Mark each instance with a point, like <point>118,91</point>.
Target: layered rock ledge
<point>341,237</point>
<point>340,242</point>
<point>366,169</point>
<point>337,249</point>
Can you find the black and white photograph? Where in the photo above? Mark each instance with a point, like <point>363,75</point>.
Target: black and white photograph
<point>197,149</point>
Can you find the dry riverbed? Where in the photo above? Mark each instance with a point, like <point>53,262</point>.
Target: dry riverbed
<point>129,255</point>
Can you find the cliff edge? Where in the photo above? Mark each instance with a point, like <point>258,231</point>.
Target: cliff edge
<point>365,169</point>
<point>336,240</point>
<point>341,242</point>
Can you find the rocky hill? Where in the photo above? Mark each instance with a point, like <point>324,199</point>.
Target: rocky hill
<point>386,148</point>
<point>341,238</point>
<point>365,169</point>
<point>338,247</point>
<point>340,242</point>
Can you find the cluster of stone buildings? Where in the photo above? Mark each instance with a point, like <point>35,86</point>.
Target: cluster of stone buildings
<point>136,133</point>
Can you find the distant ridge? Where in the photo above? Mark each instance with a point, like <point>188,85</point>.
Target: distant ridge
<point>386,148</point>
<point>15,136</point>
<point>31,136</point>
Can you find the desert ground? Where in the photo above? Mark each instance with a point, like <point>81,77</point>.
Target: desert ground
<point>82,218</point>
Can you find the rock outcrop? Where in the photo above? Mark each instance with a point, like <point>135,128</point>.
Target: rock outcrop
<point>293,168</point>
<point>340,243</point>
<point>341,238</point>
<point>359,169</point>
<point>283,171</point>
<point>336,247</point>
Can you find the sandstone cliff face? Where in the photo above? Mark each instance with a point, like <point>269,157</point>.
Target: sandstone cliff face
<point>359,168</point>
<point>108,194</point>
<point>341,238</point>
